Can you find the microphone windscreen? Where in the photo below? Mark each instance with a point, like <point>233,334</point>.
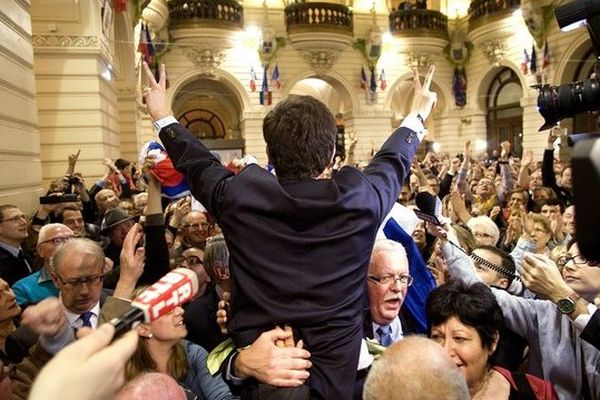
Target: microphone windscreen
<point>175,288</point>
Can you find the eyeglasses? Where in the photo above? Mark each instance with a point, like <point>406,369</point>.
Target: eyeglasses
<point>406,280</point>
<point>16,218</point>
<point>577,260</point>
<point>58,240</point>
<point>482,235</point>
<point>192,260</point>
<point>77,283</point>
<point>203,225</point>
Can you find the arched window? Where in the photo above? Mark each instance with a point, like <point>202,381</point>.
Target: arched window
<point>505,114</point>
<point>203,123</point>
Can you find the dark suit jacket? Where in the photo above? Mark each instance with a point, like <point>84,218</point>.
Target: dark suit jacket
<point>201,321</point>
<point>405,320</point>
<point>591,333</point>
<point>299,248</point>
<point>11,268</point>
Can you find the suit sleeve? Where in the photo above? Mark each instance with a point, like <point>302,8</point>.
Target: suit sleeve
<point>204,172</point>
<point>389,167</point>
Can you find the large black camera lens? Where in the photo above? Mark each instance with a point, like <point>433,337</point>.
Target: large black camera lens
<point>559,102</point>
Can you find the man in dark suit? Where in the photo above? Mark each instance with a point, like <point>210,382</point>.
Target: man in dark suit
<point>299,246</point>
<point>15,262</point>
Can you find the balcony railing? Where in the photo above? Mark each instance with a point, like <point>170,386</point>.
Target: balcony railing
<point>302,17</point>
<point>212,13</point>
<point>484,10</point>
<point>417,22</point>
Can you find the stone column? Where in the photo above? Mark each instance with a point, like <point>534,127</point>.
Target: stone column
<point>20,181</point>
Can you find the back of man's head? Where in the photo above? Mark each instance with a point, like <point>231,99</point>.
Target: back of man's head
<point>151,386</point>
<point>415,368</point>
<point>300,135</point>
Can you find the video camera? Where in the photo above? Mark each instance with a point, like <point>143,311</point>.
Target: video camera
<point>558,102</point>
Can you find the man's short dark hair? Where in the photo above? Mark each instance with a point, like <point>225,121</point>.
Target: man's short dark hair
<point>61,215</point>
<point>121,164</point>
<point>552,203</point>
<point>4,207</point>
<point>507,262</point>
<point>300,135</point>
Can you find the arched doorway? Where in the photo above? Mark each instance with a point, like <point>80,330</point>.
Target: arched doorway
<point>504,112</point>
<point>211,110</point>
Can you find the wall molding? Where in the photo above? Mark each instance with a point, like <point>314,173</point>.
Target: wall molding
<point>61,41</point>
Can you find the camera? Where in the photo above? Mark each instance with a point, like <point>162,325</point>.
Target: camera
<point>558,102</point>
<point>74,180</point>
<point>65,198</point>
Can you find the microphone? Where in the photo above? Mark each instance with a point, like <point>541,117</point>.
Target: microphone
<point>175,288</point>
<point>430,207</point>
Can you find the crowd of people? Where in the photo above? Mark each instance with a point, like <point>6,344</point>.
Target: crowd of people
<point>300,294</point>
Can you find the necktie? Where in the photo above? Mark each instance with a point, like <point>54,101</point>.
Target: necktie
<point>385,335</point>
<point>23,260</point>
<point>86,318</point>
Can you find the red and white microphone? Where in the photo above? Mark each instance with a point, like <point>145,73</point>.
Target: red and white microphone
<point>175,288</point>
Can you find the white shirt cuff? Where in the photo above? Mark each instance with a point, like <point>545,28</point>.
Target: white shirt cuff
<point>414,123</point>
<point>583,319</point>
<point>161,123</point>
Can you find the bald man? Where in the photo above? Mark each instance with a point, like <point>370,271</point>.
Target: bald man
<point>415,369</point>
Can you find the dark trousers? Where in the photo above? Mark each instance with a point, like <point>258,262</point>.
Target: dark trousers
<point>262,391</point>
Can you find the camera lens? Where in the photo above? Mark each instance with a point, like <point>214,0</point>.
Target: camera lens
<point>558,102</point>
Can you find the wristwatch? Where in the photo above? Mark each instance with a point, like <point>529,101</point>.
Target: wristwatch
<point>567,305</point>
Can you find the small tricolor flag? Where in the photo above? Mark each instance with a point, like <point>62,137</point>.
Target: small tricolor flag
<point>382,80</point>
<point>252,79</point>
<point>275,78</point>
<point>264,95</point>
<point>533,66</point>
<point>363,78</point>
<point>525,63</point>
<point>145,45</point>
<point>546,60</point>
<point>373,83</point>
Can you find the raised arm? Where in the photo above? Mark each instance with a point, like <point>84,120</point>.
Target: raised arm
<point>203,170</point>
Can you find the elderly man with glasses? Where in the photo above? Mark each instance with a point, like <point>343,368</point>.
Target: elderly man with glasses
<point>194,230</point>
<point>15,262</point>
<point>38,286</point>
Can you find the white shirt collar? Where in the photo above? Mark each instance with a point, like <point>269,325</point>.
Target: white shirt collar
<point>397,333</point>
<point>75,320</point>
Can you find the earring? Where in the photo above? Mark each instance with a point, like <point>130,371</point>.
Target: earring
<point>150,336</point>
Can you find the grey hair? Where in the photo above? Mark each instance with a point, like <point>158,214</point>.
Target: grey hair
<point>82,246</point>
<point>484,222</point>
<point>388,245</point>
<point>46,229</point>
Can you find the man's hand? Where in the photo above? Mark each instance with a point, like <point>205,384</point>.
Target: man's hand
<point>424,99</point>
<point>505,150</point>
<point>132,262</point>
<point>155,93</point>
<point>268,363</point>
<point>73,158</point>
<point>222,313</point>
<point>540,275</point>
<point>91,368</point>
<point>45,318</point>
<point>527,159</point>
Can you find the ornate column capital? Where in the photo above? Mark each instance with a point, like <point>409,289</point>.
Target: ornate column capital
<point>209,59</point>
<point>494,51</point>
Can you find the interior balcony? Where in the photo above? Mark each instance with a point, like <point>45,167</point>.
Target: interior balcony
<point>224,14</point>
<point>485,12</point>
<point>319,31</point>
<point>418,23</point>
<point>205,29</point>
